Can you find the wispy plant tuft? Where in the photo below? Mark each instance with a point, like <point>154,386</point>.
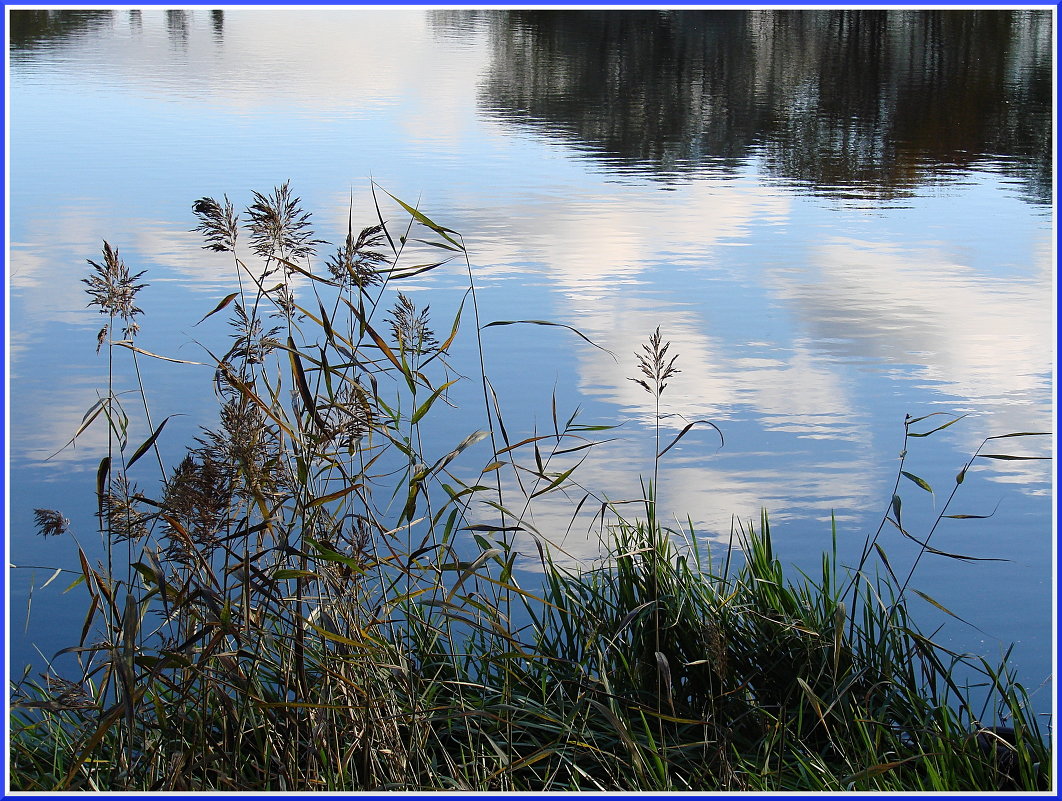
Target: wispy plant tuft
<point>197,499</point>
<point>410,327</point>
<point>113,288</point>
<point>122,508</point>
<point>218,223</point>
<point>50,523</point>
<point>654,364</point>
<point>355,264</point>
<point>253,341</point>
<point>279,226</point>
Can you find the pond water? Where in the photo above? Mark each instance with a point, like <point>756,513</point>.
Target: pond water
<point>835,218</point>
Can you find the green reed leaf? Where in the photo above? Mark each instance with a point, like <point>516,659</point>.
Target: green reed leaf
<point>467,442</point>
<point>326,324</point>
<point>148,573</point>
<point>523,442</point>
<point>74,583</point>
<point>379,341</point>
<point>408,272</point>
<point>1022,434</point>
<point>103,473</point>
<point>885,561</point>
<point>684,431</point>
<point>438,245</point>
<point>973,517</point>
<point>555,483</point>
<point>224,302</point>
<point>554,325</point>
<point>93,412</point>
<point>410,509</point>
<point>492,528</point>
<point>876,770</point>
<point>290,265</point>
<point>332,496</point>
<point>287,573</point>
<point>630,616</point>
<point>468,571</point>
<point>123,343</point>
<point>964,557</point>
<point>937,604</point>
<point>304,388</point>
<point>912,420</point>
<point>934,430</point>
<point>422,410</point>
<point>424,220</point>
<point>146,445</point>
<point>1009,458</point>
<point>918,481</point>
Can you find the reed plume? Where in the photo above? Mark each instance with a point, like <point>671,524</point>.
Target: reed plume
<point>218,223</point>
<point>355,263</point>
<point>279,226</point>
<point>113,288</point>
<point>50,522</point>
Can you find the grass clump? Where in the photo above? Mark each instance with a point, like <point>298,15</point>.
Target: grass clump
<point>315,599</point>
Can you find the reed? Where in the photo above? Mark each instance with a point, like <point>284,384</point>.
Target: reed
<point>311,600</point>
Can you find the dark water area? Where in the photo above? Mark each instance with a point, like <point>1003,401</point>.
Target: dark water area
<point>872,102</point>
<point>837,218</point>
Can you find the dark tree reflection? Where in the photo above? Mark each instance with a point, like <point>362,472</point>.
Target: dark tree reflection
<point>217,22</point>
<point>873,102</point>
<point>30,29</point>
<point>641,87</point>
<point>177,27</point>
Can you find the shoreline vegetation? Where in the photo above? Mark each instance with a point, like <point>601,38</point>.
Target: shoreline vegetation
<point>310,601</point>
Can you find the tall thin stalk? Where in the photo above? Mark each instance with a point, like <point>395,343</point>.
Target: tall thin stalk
<point>657,369</point>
